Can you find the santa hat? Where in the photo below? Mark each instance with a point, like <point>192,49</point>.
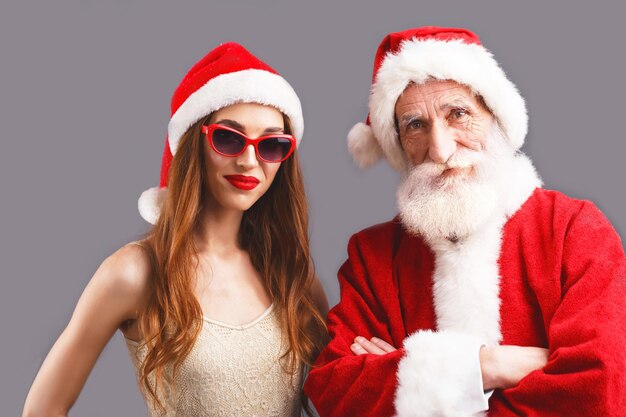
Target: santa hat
<point>415,56</point>
<point>227,75</point>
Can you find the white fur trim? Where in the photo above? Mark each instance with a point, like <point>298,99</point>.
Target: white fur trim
<point>525,178</point>
<point>150,203</point>
<point>436,377</point>
<point>468,64</point>
<point>466,286</point>
<point>466,278</point>
<point>363,145</point>
<point>247,86</point>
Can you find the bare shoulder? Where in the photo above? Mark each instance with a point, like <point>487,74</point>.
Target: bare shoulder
<point>125,275</point>
<point>130,265</point>
<point>114,297</point>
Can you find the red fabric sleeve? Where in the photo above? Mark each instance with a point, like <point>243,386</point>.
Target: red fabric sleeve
<point>342,383</point>
<point>586,371</point>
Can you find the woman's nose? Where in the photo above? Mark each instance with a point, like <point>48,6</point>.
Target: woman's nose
<point>248,158</point>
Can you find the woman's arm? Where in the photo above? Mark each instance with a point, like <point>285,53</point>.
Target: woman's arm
<point>115,294</point>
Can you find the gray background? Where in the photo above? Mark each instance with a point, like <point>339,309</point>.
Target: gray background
<point>84,96</point>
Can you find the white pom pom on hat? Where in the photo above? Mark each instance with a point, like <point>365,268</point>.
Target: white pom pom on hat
<point>363,145</point>
<point>150,203</point>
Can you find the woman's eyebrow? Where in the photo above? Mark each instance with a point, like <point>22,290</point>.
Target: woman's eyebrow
<point>231,123</point>
<point>274,130</point>
<point>242,128</point>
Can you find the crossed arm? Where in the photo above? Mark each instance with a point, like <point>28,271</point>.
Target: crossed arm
<point>501,366</point>
<point>583,375</point>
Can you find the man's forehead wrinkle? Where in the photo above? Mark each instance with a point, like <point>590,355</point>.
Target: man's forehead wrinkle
<point>418,106</point>
<point>444,99</point>
<point>454,99</point>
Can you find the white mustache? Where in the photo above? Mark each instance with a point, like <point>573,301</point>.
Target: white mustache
<point>462,159</point>
<point>436,206</point>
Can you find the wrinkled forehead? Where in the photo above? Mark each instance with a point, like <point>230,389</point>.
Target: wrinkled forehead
<point>448,92</point>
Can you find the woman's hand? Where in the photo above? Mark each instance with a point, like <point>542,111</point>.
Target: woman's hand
<point>505,366</point>
<point>375,345</point>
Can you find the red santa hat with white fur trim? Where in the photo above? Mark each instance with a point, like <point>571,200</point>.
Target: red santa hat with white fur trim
<point>227,75</point>
<point>415,56</point>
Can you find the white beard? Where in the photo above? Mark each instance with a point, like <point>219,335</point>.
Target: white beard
<point>455,207</point>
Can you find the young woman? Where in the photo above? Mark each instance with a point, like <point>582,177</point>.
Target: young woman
<point>219,304</point>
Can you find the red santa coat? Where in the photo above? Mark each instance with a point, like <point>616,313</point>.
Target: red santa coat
<point>557,280</point>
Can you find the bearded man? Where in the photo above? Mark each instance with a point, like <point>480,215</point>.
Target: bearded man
<point>487,294</point>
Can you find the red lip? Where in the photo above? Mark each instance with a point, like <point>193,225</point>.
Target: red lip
<point>243,182</point>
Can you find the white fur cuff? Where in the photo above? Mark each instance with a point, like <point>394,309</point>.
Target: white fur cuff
<point>440,376</point>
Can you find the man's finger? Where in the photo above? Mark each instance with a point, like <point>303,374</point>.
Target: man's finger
<point>357,349</point>
<point>382,344</point>
<point>368,346</point>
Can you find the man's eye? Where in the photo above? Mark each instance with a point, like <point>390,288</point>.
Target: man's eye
<point>415,124</point>
<point>459,113</point>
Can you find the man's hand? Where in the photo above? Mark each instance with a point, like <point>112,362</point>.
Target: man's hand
<point>375,345</point>
<point>501,366</point>
<point>504,366</point>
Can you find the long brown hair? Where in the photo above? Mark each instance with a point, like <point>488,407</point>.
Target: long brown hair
<point>274,231</point>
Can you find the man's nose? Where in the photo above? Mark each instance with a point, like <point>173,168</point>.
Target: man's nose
<point>442,144</point>
<point>248,158</point>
